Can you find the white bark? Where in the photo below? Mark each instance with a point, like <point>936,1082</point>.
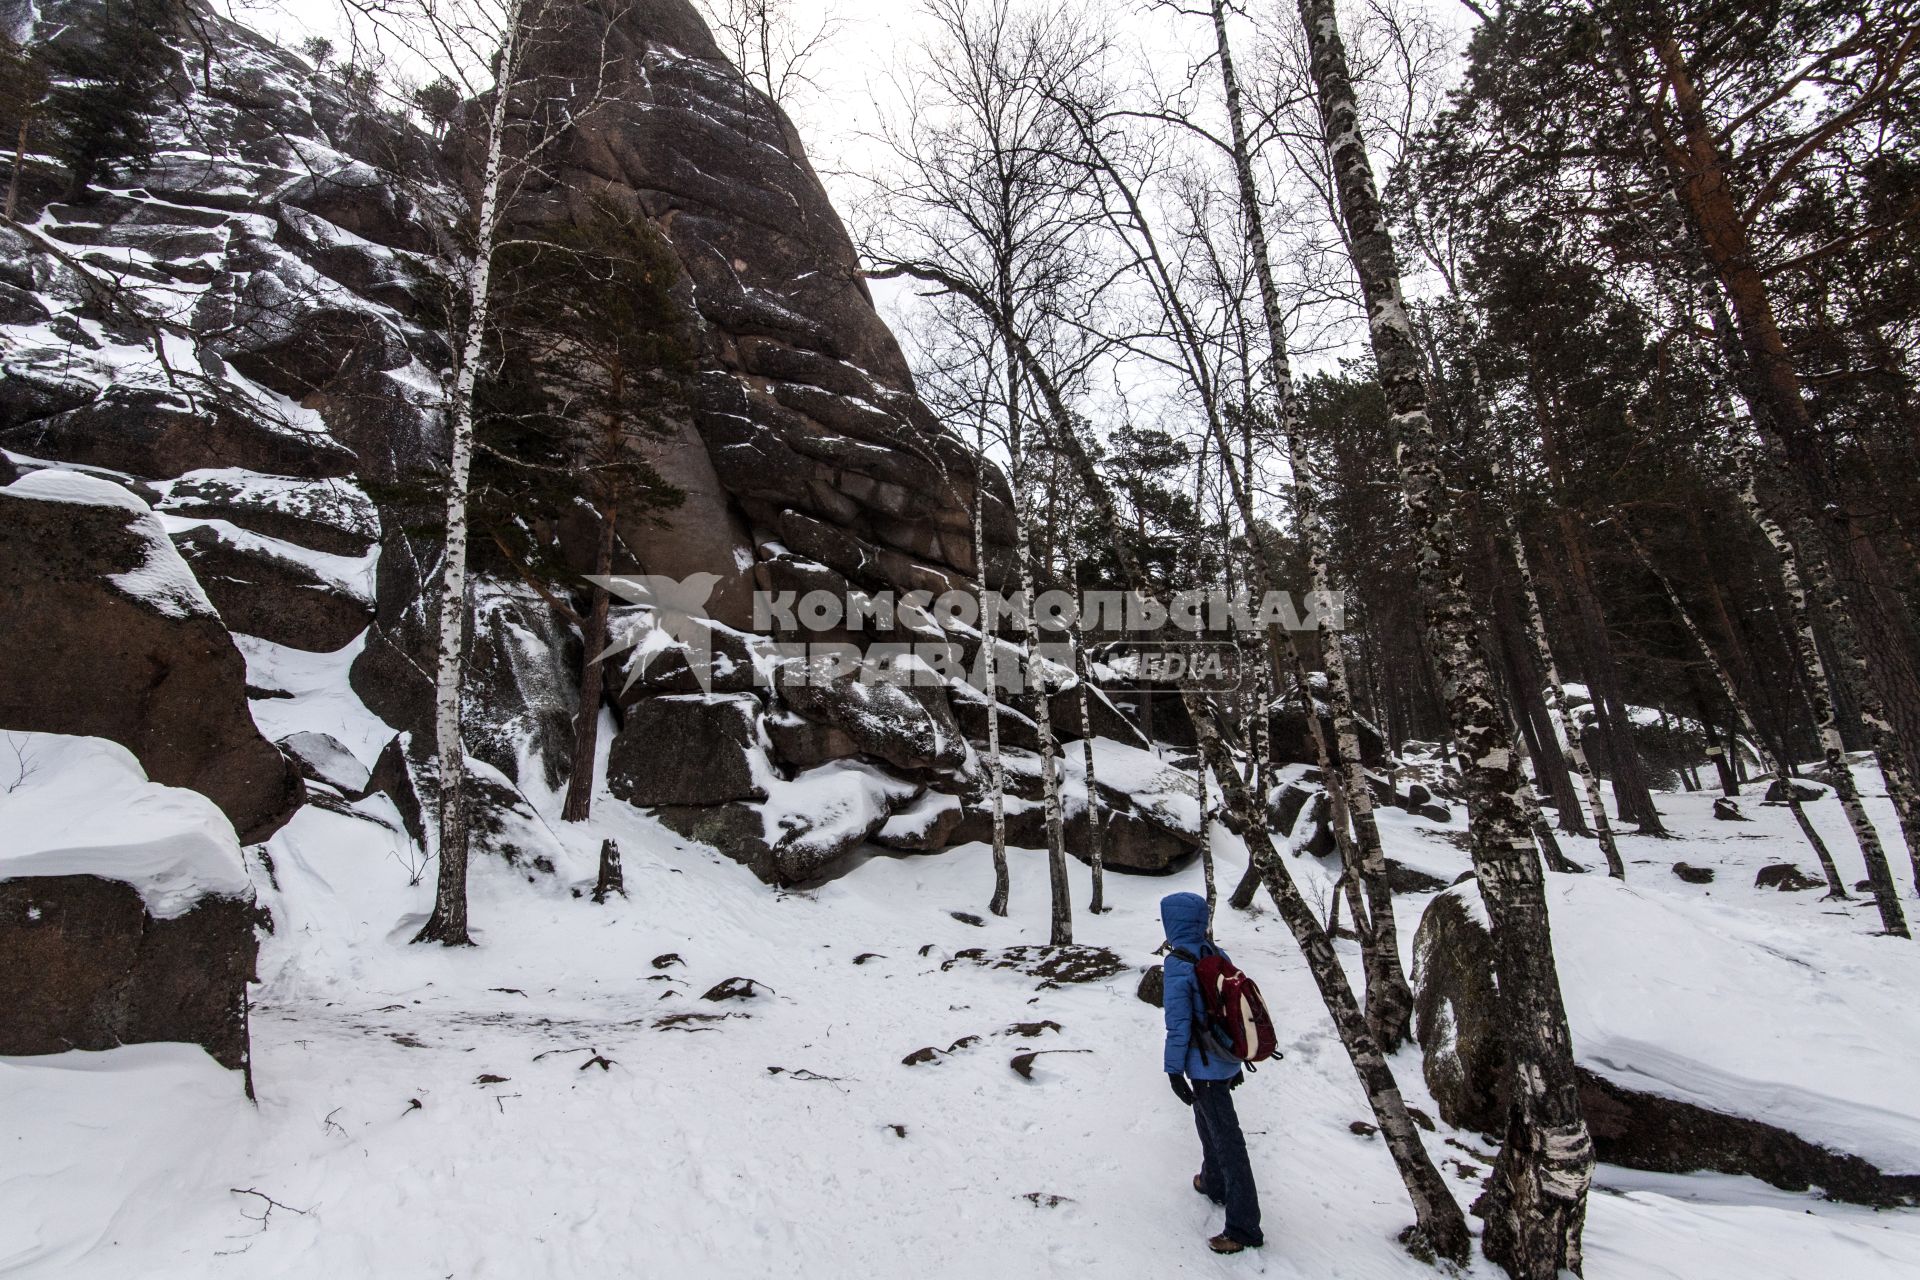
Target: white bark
<point>1826,717</point>
<point>448,922</point>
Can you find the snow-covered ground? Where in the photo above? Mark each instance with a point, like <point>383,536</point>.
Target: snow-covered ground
<point>431,1113</point>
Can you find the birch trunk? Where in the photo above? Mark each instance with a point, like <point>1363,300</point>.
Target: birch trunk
<point>448,922</point>
<point>1060,931</point>
<point>1557,705</point>
<point>1243,892</point>
<point>1096,836</point>
<point>1389,996</point>
<point>989,661</point>
<point>1826,719</point>
<point>1836,887</point>
<point>1536,1205</point>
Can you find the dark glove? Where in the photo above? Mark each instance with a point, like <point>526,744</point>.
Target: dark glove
<point>1181,1089</point>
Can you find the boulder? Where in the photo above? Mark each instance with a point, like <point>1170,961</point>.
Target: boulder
<point>1785,877</point>
<point>105,632</point>
<point>160,435</point>
<point>925,826</point>
<point>84,966</point>
<point>126,913</point>
<point>689,749</point>
<point>321,757</point>
<point>1691,874</point>
<point>806,826</point>
<point>1129,842</point>
<point>1780,790</point>
<point>1402,878</point>
<point>1725,810</point>
<point>910,726</point>
<point>1456,1015</point>
<point>1288,801</point>
<point>332,516</point>
<point>806,744</point>
<point>272,589</point>
<point>1463,1057</point>
<point>1153,986</point>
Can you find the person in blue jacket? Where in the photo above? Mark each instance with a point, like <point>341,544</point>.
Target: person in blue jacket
<point>1203,1076</point>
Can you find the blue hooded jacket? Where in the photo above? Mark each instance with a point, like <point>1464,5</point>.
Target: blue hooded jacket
<point>1184,917</point>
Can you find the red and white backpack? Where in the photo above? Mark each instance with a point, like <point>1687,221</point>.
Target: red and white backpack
<point>1236,1020</point>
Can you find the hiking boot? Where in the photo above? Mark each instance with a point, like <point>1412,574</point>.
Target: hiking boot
<point>1224,1243</point>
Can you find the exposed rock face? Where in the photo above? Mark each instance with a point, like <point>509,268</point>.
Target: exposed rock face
<point>1457,1022</point>
<point>298,243</point>
<point>689,750</point>
<point>83,966</point>
<point>811,430</point>
<point>103,632</point>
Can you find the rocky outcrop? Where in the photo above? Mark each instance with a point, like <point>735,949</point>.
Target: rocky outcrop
<point>1463,1056</point>
<point>687,749</point>
<point>126,913</point>
<point>104,632</point>
<point>83,966</point>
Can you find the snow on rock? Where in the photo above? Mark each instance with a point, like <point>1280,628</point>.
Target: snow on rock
<point>163,581</point>
<point>1738,1013</point>
<point>83,807</point>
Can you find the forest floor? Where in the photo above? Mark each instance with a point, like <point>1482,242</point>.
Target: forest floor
<point>552,1103</point>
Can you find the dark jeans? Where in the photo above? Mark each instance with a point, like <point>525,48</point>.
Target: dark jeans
<point>1224,1170</point>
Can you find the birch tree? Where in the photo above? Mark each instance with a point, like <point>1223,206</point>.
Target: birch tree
<point>482,47</point>
<point>1439,1227</point>
<point>1839,772</point>
<point>1536,1206</point>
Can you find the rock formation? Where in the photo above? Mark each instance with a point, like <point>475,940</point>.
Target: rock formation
<point>244,332</point>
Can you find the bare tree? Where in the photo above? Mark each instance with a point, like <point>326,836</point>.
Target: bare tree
<point>484,47</point>
<point>1536,1207</point>
<point>771,44</point>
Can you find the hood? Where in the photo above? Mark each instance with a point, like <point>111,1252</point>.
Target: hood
<point>1184,917</point>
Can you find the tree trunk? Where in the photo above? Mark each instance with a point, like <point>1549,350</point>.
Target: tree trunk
<point>989,661</point>
<point>1807,649</point>
<point>447,923</point>
<point>1096,835</point>
<point>1556,692</point>
<point>1520,651</point>
<point>1882,645</point>
<point>612,878</point>
<point>1389,996</point>
<point>19,162</point>
<point>1536,1205</point>
<point>1632,797</point>
<point>593,672</point>
<point>1060,932</point>
<point>1836,887</point>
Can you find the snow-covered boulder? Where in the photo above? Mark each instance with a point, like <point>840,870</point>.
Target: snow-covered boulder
<point>805,825</point>
<point>1456,1015</point>
<point>1709,1076</point>
<point>126,914</point>
<point>910,726</point>
<point>277,590</point>
<point>104,631</point>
